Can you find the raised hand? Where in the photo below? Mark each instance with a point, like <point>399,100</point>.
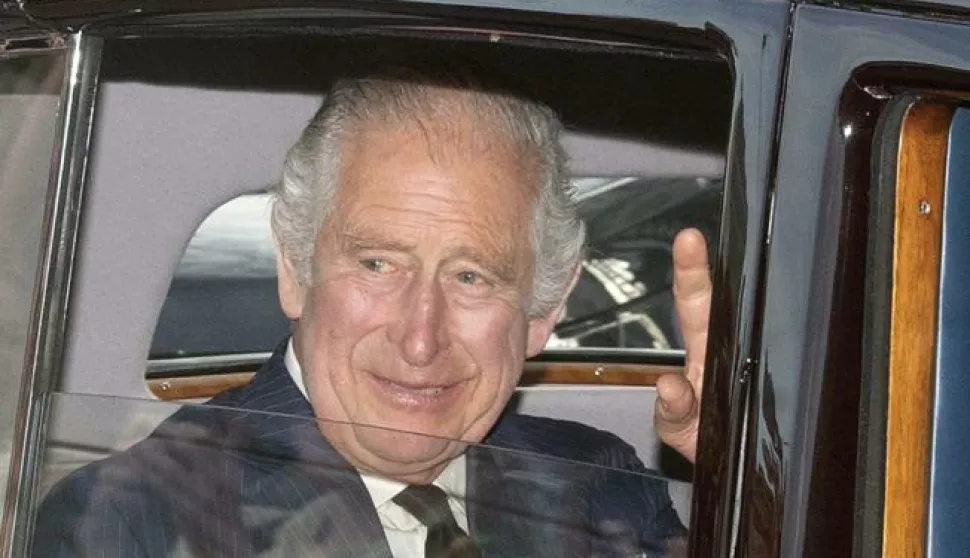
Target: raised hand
<point>677,411</point>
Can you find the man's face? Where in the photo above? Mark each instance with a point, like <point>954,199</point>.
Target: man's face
<point>416,317</point>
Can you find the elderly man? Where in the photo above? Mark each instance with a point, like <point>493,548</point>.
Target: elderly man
<point>427,241</point>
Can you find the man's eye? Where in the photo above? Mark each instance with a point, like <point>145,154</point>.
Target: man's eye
<point>375,265</point>
<point>468,277</point>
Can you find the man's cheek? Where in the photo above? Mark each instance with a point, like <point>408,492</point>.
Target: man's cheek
<point>490,324</point>
<point>346,308</point>
<point>501,342</point>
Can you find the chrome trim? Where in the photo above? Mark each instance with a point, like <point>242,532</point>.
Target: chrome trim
<point>621,354</point>
<point>45,345</point>
<point>33,45</point>
<point>217,364</point>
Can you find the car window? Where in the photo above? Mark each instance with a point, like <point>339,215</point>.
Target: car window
<point>177,261</point>
<point>223,297</point>
<point>29,96</point>
<point>216,481</point>
<point>186,131</point>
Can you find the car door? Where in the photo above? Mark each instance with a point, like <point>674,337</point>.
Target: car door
<point>845,406</point>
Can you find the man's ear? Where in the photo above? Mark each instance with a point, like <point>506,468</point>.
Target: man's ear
<point>540,328</point>
<point>292,292</point>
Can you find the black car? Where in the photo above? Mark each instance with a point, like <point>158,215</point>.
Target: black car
<point>820,146</point>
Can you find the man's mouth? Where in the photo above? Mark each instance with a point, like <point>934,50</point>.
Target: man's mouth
<point>417,396</point>
<point>427,390</point>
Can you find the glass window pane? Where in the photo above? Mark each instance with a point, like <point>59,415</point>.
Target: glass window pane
<point>29,96</point>
<point>211,480</point>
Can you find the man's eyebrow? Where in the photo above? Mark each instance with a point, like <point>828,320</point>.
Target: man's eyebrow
<point>358,242</point>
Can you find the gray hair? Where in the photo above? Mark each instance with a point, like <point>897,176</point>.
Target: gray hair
<point>303,198</point>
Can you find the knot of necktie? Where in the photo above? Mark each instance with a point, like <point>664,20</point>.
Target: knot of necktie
<point>429,505</point>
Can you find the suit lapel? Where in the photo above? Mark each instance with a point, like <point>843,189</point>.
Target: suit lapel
<point>524,505</point>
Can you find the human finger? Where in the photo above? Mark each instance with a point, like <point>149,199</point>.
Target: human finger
<point>692,291</point>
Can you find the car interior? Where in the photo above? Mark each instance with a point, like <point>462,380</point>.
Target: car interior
<point>184,127</point>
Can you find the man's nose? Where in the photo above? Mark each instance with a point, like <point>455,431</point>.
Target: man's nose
<point>419,331</point>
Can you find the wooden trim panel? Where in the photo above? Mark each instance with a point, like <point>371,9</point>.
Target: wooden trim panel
<point>597,374</point>
<point>196,387</point>
<point>920,178</point>
<point>536,374</point>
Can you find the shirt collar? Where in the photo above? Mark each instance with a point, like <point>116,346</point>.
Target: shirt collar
<point>451,480</point>
<point>293,367</point>
<point>382,490</point>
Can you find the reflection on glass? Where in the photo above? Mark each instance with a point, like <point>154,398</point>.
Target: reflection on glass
<point>217,481</point>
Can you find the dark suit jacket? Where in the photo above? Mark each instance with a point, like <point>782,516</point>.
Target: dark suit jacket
<point>249,474</point>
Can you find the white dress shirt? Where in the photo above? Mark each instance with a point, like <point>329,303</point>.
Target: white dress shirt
<point>405,534</point>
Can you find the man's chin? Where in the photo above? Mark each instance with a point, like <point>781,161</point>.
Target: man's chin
<point>413,458</point>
